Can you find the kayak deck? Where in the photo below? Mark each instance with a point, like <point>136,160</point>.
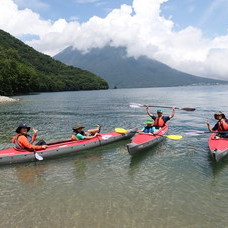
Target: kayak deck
<point>142,141</point>
<point>13,155</point>
<point>218,147</point>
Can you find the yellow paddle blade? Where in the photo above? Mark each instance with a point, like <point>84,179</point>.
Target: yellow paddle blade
<point>175,137</point>
<point>120,130</point>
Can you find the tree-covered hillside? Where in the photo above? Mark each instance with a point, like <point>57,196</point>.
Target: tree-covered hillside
<point>24,70</point>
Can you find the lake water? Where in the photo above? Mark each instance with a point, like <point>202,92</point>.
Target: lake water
<point>174,185</point>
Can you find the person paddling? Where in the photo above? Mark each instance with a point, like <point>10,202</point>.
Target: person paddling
<point>160,120</point>
<point>79,134</point>
<point>24,141</point>
<point>220,126</point>
<point>149,128</point>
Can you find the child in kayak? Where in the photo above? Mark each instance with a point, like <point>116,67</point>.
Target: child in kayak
<point>160,120</point>
<point>79,134</point>
<point>24,141</point>
<point>221,126</point>
<point>149,128</point>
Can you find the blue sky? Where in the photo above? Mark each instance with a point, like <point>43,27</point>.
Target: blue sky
<point>208,15</point>
<point>188,35</point>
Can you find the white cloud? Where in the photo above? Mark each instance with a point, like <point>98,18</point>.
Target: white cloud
<point>139,27</point>
<point>19,22</point>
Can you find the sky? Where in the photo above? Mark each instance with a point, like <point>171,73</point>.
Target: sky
<point>188,35</point>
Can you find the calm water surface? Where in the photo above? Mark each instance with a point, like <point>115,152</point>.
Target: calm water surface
<point>176,184</point>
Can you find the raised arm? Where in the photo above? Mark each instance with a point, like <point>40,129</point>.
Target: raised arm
<point>35,132</point>
<point>173,113</point>
<point>148,111</point>
<point>208,126</point>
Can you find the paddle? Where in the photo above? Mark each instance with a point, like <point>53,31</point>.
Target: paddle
<point>174,137</point>
<point>136,105</point>
<point>195,132</point>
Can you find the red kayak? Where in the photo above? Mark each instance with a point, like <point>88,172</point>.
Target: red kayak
<point>142,141</point>
<point>218,147</point>
<point>57,148</point>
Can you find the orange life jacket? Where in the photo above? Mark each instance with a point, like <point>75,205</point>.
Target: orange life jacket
<point>222,125</point>
<point>159,122</point>
<point>18,145</point>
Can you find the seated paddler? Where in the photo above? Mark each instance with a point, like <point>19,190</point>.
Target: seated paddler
<point>149,128</point>
<point>221,127</point>
<point>23,140</point>
<point>80,134</point>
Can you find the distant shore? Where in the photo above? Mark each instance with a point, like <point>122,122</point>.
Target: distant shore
<point>4,99</point>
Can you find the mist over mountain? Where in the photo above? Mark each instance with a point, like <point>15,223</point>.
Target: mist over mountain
<point>121,71</point>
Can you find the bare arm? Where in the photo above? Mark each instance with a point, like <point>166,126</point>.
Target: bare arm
<point>173,113</point>
<point>74,138</point>
<point>35,132</point>
<point>148,111</point>
<point>208,126</point>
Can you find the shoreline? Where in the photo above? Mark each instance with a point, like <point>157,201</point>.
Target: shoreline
<point>4,99</point>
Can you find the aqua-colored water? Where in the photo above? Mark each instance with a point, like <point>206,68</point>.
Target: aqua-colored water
<point>176,184</point>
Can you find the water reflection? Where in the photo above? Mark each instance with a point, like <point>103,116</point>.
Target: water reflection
<point>217,167</point>
<point>32,173</point>
<point>137,160</point>
<point>82,163</point>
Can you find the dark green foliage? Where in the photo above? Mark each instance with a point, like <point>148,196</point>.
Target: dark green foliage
<point>24,70</point>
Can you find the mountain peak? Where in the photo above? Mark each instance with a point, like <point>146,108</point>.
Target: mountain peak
<point>120,71</point>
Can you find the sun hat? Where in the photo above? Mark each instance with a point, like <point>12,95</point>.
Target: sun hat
<point>77,127</point>
<point>149,121</point>
<point>22,126</point>
<point>220,114</point>
<point>159,110</point>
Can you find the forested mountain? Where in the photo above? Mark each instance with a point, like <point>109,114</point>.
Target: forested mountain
<point>123,72</point>
<point>24,70</point>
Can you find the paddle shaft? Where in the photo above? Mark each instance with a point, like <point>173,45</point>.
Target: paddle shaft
<point>206,132</point>
<point>160,106</point>
<point>174,137</point>
<point>134,105</point>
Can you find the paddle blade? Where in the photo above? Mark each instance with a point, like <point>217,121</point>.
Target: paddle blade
<point>175,137</point>
<point>192,133</point>
<point>188,109</point>
<point>38,157</point>
<point>120,130</point>
<point>135,105</point>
